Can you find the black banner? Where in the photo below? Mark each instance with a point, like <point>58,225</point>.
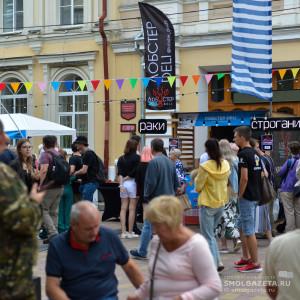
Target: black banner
<point>153,126</point>
<point>159,40</point>
<point>275,124</point>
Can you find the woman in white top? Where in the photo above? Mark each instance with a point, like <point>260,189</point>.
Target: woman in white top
<point>181,265</point>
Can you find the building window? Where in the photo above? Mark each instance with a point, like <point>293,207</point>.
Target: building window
<point>12,15</point>
<point>12,102</point>
<point>217,89</point>
<point>73,109</point>
<point>71,12</point>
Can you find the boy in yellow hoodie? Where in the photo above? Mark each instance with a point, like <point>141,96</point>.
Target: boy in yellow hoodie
<point>212,183</point>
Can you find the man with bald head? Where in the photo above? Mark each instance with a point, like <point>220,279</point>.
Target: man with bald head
<point>81,262</point>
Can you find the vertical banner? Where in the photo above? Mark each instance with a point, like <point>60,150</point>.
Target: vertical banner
<point>159,40</point>
<point>252,48</point>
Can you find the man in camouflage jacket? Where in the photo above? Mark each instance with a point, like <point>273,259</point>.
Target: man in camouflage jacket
<point>20,217</point>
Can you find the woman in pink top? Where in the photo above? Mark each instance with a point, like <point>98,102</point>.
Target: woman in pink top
<point>184,267</point>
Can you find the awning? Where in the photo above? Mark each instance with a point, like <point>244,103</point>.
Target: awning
<point>218,118</point>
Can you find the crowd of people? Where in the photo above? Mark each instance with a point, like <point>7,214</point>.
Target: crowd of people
<point>57,193</point>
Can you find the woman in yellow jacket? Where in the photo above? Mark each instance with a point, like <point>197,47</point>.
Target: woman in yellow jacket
<point>211,183</point>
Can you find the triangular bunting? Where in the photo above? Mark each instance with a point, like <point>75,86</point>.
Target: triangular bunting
<point>28,86</point>
<point>95,83</point>
<point>82,84</point>
<point>120,83</point>
<point>220,75</point>
<point>282,73</point>
<point>42,86</point>
<point>2,86</point>
<point>69,85</point>
<point>171,80</point>
<point>183,79</point>
<point>295,72</point>
<point>196,79</point>
<point>208,77</point>
<point>145,81</point>
<point>107,83</point>
<point>15,86</point>
<point>158,81</point>
<point>55,85</point>
<point>133,82</point>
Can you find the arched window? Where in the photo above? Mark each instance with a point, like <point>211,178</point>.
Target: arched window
<point>12,15</point>
<point>73,108</point>
<point>13,102</point>
<point>286,110</point>
<point>71,12</point>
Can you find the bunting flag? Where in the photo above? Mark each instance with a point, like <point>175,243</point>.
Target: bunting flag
<point>28,86</point>
<point>158,81</point>
<point>220,75</point>
<point>107,83</point>
<point>208,77</point>
<point>55,85</point>
<point>2,86</point>
<point>120,83</point>
<point>95,84</point>
<point>15,86</point>
<point>69,85</point>
<point>42,86</point>
<point>171,80</point>
<point>252,48</point>
<point>196,78</point>
<point>282,73</point>
<point>146,81</point>
<point>82,84</point>
<point>295,72</point>
<point>183,79</point>
<point>133,82</point>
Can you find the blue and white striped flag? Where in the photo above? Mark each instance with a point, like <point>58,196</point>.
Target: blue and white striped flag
<point>252,48</point>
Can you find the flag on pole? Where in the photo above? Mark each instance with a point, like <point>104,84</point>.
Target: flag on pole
<point>252,48</point>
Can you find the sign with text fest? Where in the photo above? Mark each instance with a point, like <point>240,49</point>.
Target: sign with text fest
<point>275,124</point>
<point>152,126</point>
<point>159,58</point>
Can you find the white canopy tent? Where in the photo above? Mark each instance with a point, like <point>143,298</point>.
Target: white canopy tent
<point>22,125</point>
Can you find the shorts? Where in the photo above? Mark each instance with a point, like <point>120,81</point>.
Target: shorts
<point>129,190</point>
<point>246,219</point>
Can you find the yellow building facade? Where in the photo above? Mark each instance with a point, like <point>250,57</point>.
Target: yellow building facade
<point>57,41</point>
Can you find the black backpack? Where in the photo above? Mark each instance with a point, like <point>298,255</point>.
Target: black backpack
<point>100,175</point>
<point>59,170</point>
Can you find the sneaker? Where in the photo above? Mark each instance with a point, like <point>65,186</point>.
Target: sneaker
<point>135,254</point>
<point>132,235</point>
<point>220,268</point>
<point>242,262</point>
<point>237,244</point>
<point>124,235</point>
<point>250,267</point>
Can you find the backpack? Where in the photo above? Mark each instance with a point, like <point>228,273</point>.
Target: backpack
<point>100,175</point>
<point>59,171</point>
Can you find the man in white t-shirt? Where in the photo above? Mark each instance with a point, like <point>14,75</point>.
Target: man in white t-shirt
<point>281,267</point>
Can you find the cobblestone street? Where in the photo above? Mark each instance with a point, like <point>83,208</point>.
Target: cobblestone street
<point>237,286</point>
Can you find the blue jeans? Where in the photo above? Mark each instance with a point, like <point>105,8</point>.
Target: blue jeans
<point>87,190</point>
<point>209,219</point>
<point>246,220</point>
<point>145,238</point>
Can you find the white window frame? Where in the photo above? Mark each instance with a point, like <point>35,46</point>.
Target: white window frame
<point>74,113</point>
<point>72,6</point>
<point>14,12</point>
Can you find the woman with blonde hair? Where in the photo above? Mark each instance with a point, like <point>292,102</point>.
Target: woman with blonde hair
<point>227,228</point>
<point>180,265</point>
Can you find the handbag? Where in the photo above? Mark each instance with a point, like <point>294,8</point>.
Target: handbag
<point>185,202</point>
<point>268,193</point>
<point>152,273</point>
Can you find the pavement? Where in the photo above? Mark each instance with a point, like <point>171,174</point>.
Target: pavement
<point>237,286</point>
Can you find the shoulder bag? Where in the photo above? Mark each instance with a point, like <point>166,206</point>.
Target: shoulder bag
<point>152,273</point>
<point>268,193</point>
